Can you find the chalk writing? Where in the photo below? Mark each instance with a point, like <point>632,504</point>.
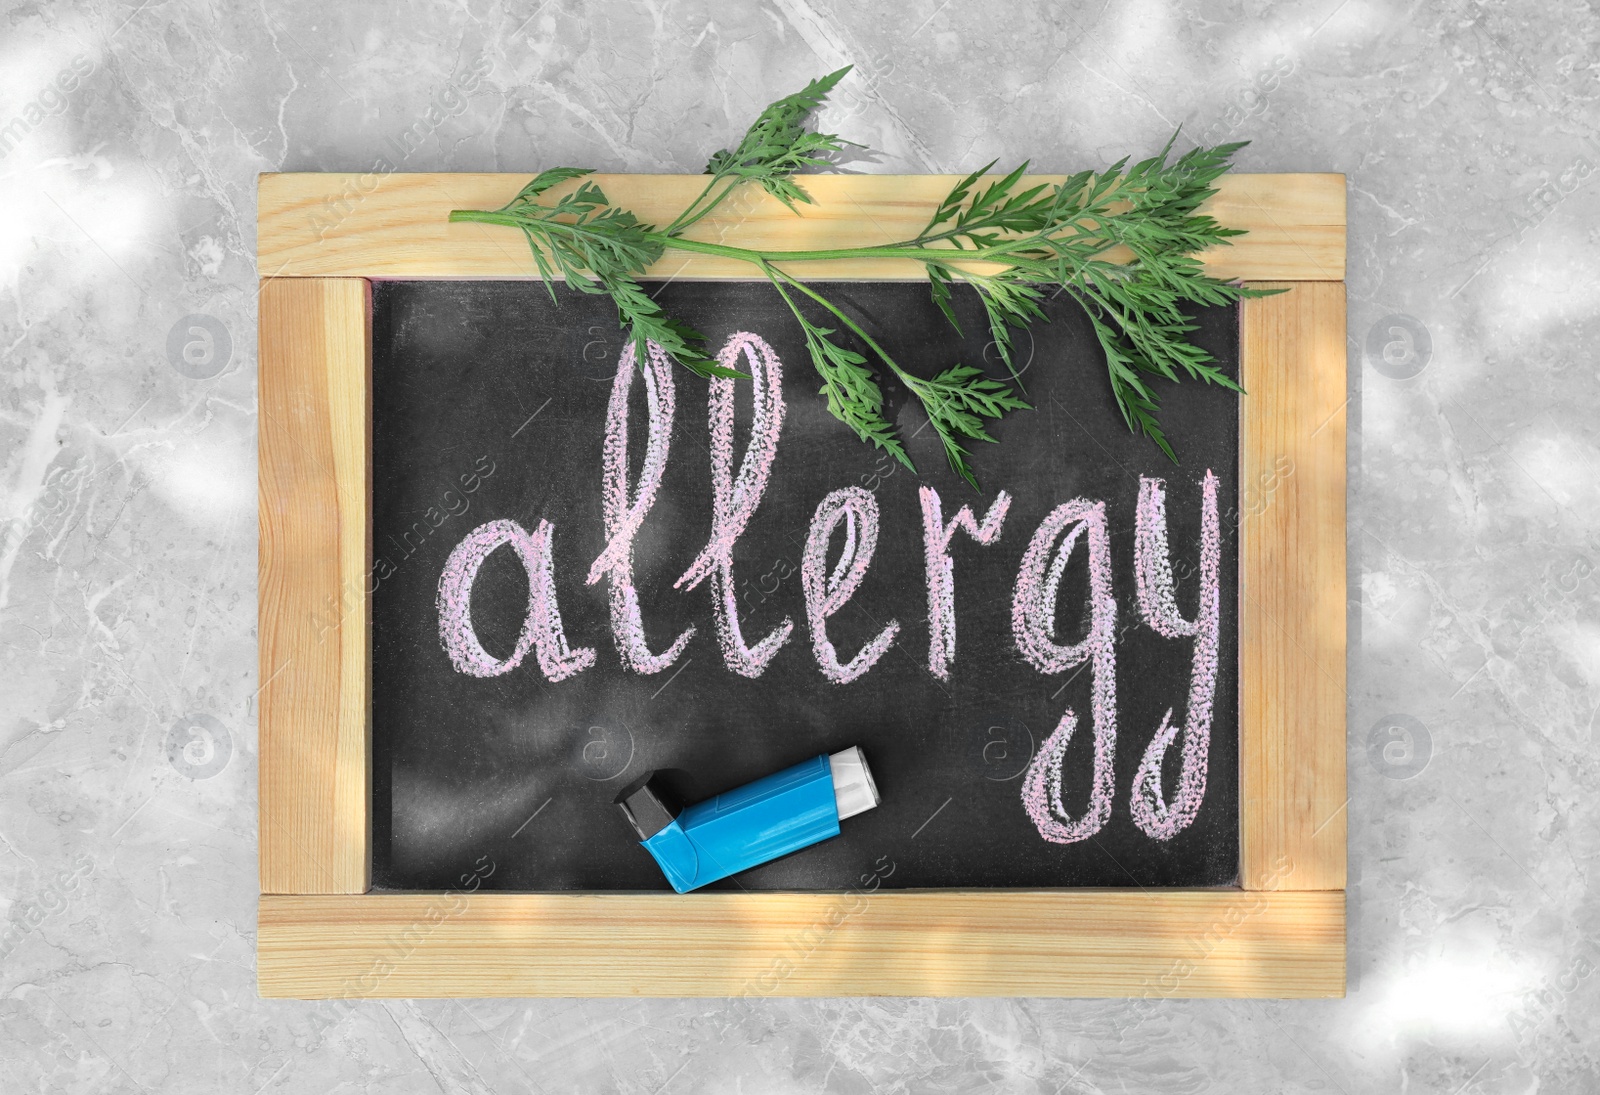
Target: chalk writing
<point>623,515</point>
<point>936,537</point>
<point>1065,804</point>
<point>1159,607</point>
<point>733,501</point>
<point>1033,613</point>
<point>541,627</point>
<point>826,593</point>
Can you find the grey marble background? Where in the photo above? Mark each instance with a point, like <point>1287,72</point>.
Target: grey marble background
<point>127,488</point>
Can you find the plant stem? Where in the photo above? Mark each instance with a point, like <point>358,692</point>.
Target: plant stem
<point>913,251</point>
<point>689,216</point>
<point>777,278</point>
<point>725,251</point>
<point>910,380</point>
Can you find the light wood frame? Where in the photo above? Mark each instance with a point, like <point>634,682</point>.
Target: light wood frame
<point>1279,933</point>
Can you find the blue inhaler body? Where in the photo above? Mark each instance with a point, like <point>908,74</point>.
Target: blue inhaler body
<point>749,825</point>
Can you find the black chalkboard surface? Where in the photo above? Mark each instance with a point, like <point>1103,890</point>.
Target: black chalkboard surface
<point>490,404</point>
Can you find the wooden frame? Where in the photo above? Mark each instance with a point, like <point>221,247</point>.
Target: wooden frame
<point>1279,933</point>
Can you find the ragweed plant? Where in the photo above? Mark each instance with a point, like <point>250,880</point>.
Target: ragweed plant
<point>1121,242</point>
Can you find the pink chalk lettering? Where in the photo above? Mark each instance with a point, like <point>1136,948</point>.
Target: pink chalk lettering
<point>624,515</point>
<point>1041,786</point>
<point>1159,606</point>
<point>734,500</point>
<point>936,536</point>
<point>541,627</point>
<point>1033,614</point>
<point>827,593</point>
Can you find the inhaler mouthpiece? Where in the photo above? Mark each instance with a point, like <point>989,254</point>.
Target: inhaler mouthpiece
<point>853,789</point>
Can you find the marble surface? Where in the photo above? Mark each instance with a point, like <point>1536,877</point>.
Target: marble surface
<point>132,135</point>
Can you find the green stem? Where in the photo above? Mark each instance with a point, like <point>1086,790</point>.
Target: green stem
<point>910,380</point>
<point>685,219</point>
<point>775,276</point>
<point>1002,253</point>
<point>723,250</point>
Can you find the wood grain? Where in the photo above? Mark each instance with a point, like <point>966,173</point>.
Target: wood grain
<point>1292,590</point>
<point>314,453</point>
<point>389,225</point>
<point>1170,943</point>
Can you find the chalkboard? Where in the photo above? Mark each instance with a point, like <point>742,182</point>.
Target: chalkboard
<point>490,412</point>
